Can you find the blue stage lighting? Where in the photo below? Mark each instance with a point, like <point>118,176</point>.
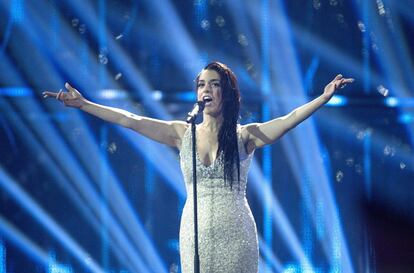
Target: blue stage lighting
<point>2,257</point>
<point>337,101</point>
<point>186,96</point>
<point>17,11</point>
<point>157,95</point>
<point>406,118</point>
<point>55,267</point>
<point>392,102</point>
<point>15,92</point>
<point>110,94</point>
<point>15,236</point>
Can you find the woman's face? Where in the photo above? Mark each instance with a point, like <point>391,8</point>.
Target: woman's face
<point>209,85</point>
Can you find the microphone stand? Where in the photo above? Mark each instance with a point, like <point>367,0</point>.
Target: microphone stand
<point>191,118</point>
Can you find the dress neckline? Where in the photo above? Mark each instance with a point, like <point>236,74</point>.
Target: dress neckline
<point>202,163</point>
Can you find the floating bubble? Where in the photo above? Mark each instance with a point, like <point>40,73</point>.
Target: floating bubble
<point>157,95</point>
<point>249,65</point>
<point>118,76</point>
<point>382,90</point>
<point>112,148</point>
<point>119,36</point>
<point>243,40</point>
<point>317,4</point>
<point>218,3</point>
<point>205,24</point>
<point>226,34</point>
<point>173,268</point>
<point>381,8</point>
<point>340,17</point>
<point>220,21</point>
<point>82,29</point>
<point>333,2</point>
<point>349,161</point>
<point>358,168</point>
<point>75,22</point>
<point>103,59</point>
<point>389,150</point>
<point>402,165</point>
<point>88,260</point>
<point>339,176</point>
<point>363,133</point>
<point>361,26</point>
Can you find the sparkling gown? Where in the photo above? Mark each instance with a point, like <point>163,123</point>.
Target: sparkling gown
<point>227,231</point>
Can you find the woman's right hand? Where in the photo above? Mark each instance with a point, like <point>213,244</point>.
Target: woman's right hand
<point>72,98</point>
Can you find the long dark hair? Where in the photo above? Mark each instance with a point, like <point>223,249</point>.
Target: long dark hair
<point>227,136</point>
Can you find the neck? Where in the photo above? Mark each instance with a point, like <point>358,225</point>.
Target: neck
<point>212,123</point>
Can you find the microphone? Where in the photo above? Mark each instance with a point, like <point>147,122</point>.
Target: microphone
<point>198,107</point>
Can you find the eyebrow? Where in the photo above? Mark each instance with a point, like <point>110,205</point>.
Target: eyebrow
<point>210,80</point>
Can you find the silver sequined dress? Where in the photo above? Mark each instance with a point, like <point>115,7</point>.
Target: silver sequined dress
<point>227,232</point>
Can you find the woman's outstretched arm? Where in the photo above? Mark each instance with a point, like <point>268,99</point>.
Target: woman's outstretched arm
<point>166,132</point>
<point>257,135</point>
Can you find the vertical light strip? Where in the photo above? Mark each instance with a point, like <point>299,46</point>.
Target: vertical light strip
<point>149,194</point>
<point>367,165</point>
<point>364,27</point>
<point>104,173</point>
<point>267,151</point>
<point>103,49</point>
<point>2,257</point>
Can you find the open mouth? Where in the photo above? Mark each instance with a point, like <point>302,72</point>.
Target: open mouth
<point>207,99</point>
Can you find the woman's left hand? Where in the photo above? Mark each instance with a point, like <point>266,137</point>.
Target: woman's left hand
<point>337,83</point>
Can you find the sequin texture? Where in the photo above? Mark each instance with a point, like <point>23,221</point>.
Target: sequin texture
<point>227,231</point>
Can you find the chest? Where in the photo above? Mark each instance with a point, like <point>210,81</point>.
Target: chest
<point>207,146</point>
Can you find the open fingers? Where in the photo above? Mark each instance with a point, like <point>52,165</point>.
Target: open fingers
<point>56,95</point>
<point>338,77</point>
<point>343,82</point>
<point>48,94</point>
<point>72,90</point>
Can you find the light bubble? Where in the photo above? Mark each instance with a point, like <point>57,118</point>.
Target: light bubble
<point>349,161</point>
<point>157,95</point>
<point>363,133</point>
<point>103,59</point>
<point>243,40</point>
<point>402,165</point>
<point>382,90</point>
<point>333,2</point>
<point>361,26</point>
<point>173,268</point>
<point>381,8</point>
<point>340,17</point>
<point>339,176</point>
<point>118,76</point>
<point>358,168</point>
<point>112,148</point>
<point>75,22</point>
<point>76,132</point>
<point>88,260</point>
<point>220,21</point>
<point>205,24</point>
<point>119,36</point>
<point>218,3</point>
<point>226,34</point>
<point>317,4</point>
<point>389,150</point>
<point>82,29</point>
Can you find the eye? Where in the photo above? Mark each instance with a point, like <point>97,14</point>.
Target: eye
<point>200,84</point>
<point>216,84</point>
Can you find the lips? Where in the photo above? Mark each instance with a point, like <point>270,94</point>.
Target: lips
<point>207,99</point>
